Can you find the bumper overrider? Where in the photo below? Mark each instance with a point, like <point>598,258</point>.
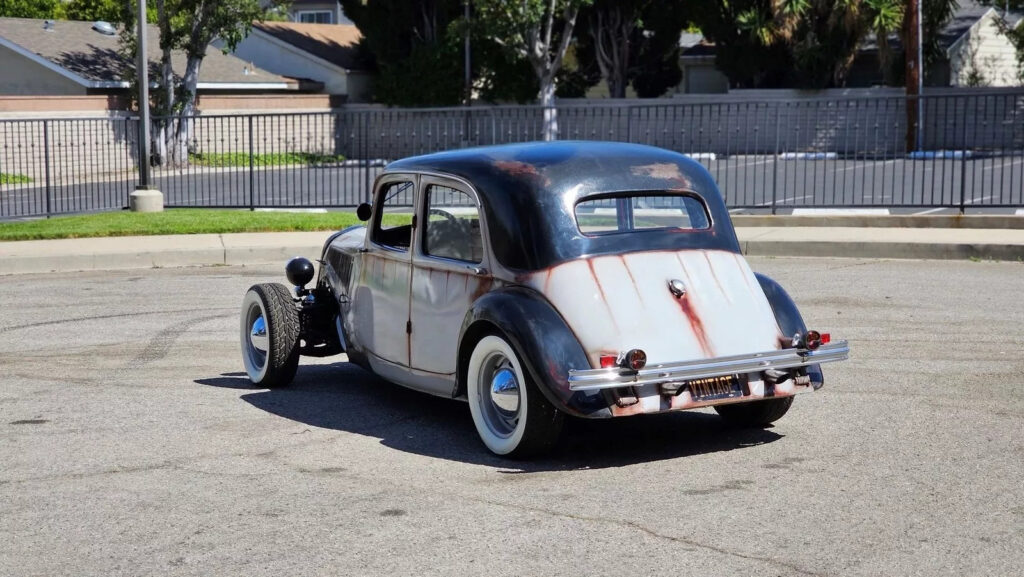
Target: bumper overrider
<point>683,372</point>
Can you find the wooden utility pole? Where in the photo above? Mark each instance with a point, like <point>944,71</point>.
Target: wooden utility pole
<point>912,51</point>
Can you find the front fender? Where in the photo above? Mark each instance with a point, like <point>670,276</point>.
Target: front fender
<point>787,316</point>
<point>548,348</point>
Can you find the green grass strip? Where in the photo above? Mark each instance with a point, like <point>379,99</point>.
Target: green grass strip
<point>6,178</point>
<point>222,159</point>
<point>179,221</point>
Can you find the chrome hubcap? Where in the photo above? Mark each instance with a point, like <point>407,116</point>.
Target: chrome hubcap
<point>257,341</point>
<point>500,401</point>
<point>258,335</point>
<point>505,392</point>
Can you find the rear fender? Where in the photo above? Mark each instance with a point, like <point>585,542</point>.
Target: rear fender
<point>787,316</point>
<point>547,347</point>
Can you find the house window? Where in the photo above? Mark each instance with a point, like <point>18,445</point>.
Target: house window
<point>316,16</point>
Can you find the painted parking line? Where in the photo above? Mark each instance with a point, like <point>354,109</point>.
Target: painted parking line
<point>1003,165</point>
<point>741,165</point>
<point>930,211</point>
<point>785,200</point>
<point>982,199</point>
<point>871,164</point>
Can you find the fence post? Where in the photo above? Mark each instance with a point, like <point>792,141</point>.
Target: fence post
<point>775,161</point>
<point>252,170</point>
<point>629,123</point>
<point>963,163</point>
<point>46,162</point>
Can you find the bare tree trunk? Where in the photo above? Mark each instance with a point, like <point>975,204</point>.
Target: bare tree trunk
<point>182,132</point>
<point>547,100</point>
<point>611,33</point>
<point>166,108</point>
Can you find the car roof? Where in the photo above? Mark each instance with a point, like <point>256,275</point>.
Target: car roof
<point>529,192</point>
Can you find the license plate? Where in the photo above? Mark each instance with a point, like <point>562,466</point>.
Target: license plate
<point>714,388</point>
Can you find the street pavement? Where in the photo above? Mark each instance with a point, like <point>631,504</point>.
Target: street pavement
<point>747,181</point>
<point>132,444</point>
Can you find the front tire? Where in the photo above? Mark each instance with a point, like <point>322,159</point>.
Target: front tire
<point>270,335</point>
<point>755,414</point>
<point>512,416</point>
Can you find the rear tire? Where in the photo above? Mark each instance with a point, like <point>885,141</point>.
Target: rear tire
<point>270,335</point>
<point>511,414</point>
<point>756,413</point>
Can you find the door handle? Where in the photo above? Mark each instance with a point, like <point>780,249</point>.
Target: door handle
<point>477,270</point>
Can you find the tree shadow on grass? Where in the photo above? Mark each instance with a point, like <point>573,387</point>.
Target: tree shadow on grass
<point>343,397</point>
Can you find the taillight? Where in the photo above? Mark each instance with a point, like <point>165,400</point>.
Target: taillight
<point>826,338</point>
<point>812,340</point>
<point>635,359</point>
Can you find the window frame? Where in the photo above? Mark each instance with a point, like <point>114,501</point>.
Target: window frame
<point>378,211</point>
<point>638,194</point>
<point>434,261</point>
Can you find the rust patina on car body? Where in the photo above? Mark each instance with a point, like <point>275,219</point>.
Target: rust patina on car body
<point>605,277</point>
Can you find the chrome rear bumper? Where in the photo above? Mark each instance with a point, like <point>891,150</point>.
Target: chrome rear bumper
<point>612,378</point>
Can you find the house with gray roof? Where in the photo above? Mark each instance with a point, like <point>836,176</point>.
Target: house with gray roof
<point>327,53</point>
<point>68,58</point>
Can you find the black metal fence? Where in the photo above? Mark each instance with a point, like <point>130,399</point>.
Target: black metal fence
<point>847,152</point>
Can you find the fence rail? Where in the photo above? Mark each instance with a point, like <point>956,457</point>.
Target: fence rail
<point>845,152</point>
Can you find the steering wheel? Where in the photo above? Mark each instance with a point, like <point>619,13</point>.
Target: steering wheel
<point>443,213</point>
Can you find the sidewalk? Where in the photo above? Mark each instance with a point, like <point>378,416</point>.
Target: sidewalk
<point>262,248</point>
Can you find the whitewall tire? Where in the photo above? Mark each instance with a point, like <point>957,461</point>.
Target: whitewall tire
<point>511,415</point>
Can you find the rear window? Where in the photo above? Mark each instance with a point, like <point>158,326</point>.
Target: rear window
<point>641,211</point>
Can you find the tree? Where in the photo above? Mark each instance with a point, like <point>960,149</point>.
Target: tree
<point>633,42</point>
<point>188,26</point>
<point>613,27</point>
<point>540,32</point>
<point>28,8</point>
<point>93,10</point>
<point>750,47</point>
<point>416,46</point>
<point>810,43</point>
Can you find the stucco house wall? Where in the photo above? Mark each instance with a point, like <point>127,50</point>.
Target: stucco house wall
<point>21,76</point>
<point>282,58</point>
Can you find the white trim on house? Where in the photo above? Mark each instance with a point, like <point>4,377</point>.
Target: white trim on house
<point>54,67</point>
<point>956,43</point>
<point>297,51</point>
<point>243,86</point>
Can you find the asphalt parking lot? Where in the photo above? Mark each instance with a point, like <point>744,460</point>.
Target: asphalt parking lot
<point>989,185</point>
<point>132,444</point>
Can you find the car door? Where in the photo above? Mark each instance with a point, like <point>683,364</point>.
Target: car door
<point>382,300</point>
<point>450,271</point>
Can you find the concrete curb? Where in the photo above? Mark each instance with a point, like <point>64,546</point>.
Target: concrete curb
<point>73,255</point>
<point>976,221</point>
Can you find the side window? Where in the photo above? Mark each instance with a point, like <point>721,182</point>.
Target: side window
<point>392,225</point>
<point>453,225</point>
